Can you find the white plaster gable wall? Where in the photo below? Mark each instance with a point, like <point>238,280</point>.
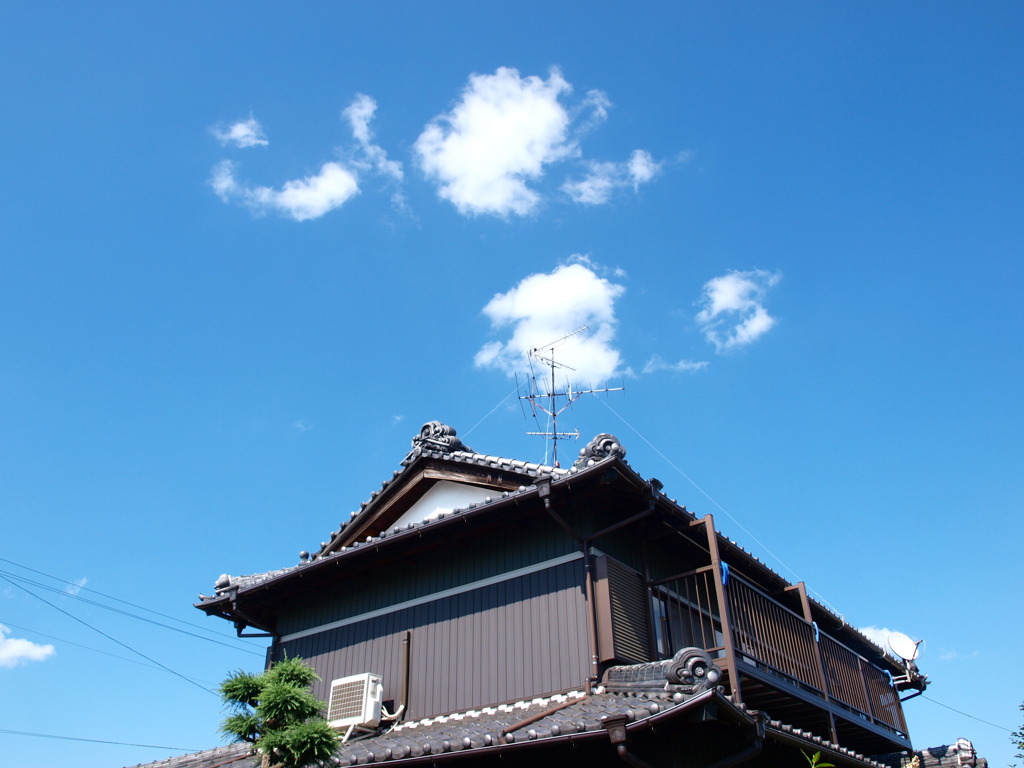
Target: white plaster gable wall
<point>444,496</point>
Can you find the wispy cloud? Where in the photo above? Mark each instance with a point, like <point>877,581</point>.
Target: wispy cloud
<point>603,178</point>
<point>313,196</point>
<point>15,651</point>
<point>880,637</point>
<point>76,586</point>
<point>544,307</point>
<point>372,157</point>
<point>486,155</point>
<point>657,363</point>
<point>501,134</point>
<point>733,313</point>
<point>244,133</point>
<point>594,110</point>
<point>951,654</point>
<point>300,199</point>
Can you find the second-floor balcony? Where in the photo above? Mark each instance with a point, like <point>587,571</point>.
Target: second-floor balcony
<point>778,660</point>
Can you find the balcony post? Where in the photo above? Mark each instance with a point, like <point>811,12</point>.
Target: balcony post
<point>723,607</point>
<point>805,605</point>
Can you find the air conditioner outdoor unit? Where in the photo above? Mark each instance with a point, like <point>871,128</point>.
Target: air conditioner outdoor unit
<point>355,701</point>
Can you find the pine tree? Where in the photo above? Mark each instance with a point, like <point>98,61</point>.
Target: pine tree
<point>1017,737</point>
<point>276,712</point>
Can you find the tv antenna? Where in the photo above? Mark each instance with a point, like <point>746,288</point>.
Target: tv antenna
<point>545,354</point>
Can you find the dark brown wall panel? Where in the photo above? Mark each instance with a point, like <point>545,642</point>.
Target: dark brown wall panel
<point>448,567</point>
<point>510,640</point>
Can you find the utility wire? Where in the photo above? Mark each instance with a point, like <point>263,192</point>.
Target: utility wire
<point>109,637</point>
<point>117,599</point>
<point>111,608</point>
<point>88,648</point>
<point>779,559</point>
<point>94,741</point>
<point>986,722</point>
<point>500,402</point>
<point>719,506</point>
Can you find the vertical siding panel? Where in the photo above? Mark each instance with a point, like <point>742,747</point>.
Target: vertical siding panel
<point>500,648</point>
<point>469,635</point>
<point>509,640</point>
<point>462,629</point>
<point>544,644</point>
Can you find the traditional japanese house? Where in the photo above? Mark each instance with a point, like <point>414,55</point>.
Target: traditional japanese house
<point>510,611</point>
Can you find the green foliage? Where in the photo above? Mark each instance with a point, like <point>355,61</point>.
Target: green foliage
<point>1017,737</point>
<point>308,742</point>
<point>277,713</point>
<point>242,688</point>
<point>815,760</point>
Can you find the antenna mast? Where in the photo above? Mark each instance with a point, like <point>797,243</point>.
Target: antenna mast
<point>545,354</point>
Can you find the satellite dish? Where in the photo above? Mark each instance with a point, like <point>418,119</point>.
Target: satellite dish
<point>903,646</point>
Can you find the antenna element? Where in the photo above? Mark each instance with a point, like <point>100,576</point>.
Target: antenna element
<point>545,354</point>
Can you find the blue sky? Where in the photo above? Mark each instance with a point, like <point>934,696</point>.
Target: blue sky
<point>248,249</point>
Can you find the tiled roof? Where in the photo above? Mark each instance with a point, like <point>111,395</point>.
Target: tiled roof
<point>637,695</point>
<point>231,756</point>
<point>961,754</point>
<point>632,697</point>
<point>482,730</point>
<point>528,470</point>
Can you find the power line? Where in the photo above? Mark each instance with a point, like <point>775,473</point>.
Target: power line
<point>779,559</point>
<point>116,599</point>
<point>125,613</point>
<point>109,637</point>
<point>89,648</point>
<point>720,507</point>
<point>93,741</point>
<point>986,722</point>
<point>496,407</point>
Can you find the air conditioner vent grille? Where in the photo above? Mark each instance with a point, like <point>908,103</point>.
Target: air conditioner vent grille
<point>355,700</point>
<point>347,700</point>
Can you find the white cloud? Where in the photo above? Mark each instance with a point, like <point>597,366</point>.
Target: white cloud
<point>501,134</point>
<point>545,307</point>
<point>372,157</point>
<point>244,133</point>
<point>642,168</point>
<point>656,363</point>
<point>733,314</point>
<point>603,178</point>
<point>76,586</point>
<point>300,199</point>
<point>359,114</point>
<point>880,637</point>
<point>598,103</point>
<point>951,654</point>
<point>15,651</point>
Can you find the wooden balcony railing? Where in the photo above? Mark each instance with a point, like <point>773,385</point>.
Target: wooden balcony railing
<point>768,636</point>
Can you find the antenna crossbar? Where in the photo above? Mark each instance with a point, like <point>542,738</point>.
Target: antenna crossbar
<point>553,394</point>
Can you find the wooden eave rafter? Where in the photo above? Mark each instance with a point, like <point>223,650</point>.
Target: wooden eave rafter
<point>261,601</point>
<point>412,484</point>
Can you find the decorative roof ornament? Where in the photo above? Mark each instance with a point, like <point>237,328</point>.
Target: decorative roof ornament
<point>601,447</point>
<point>689,672</point>
<point>438,437</point>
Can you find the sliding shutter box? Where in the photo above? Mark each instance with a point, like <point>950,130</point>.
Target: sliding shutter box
<point>623,626</point>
